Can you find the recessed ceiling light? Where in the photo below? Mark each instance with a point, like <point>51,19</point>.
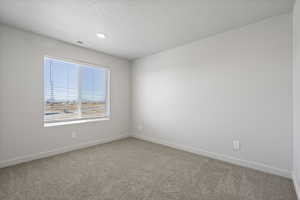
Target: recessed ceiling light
<point>101,35</point>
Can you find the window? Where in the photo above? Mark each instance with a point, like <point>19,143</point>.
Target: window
<point>74,91</point>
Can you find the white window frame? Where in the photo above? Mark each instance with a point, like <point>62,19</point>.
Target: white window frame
<point>79,120</point>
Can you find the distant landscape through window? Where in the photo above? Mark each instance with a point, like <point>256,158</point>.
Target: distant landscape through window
<point>74,91</point>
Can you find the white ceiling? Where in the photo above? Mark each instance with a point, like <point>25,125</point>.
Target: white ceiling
<point>136,28</point>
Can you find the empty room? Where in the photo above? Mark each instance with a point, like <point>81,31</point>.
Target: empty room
<point>149,99</point>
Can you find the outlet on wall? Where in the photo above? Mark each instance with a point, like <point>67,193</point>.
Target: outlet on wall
<point>236,145</point>
<point>74,134</point>
<point>140,127</point>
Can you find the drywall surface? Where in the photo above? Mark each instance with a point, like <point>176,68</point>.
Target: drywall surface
<point>296,100</point>
<point>232,86</point>
<point>22,134</point>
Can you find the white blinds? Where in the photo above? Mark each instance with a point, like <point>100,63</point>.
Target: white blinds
<point>93,91</point>
<point>74,91</point>
<point>61,81</point>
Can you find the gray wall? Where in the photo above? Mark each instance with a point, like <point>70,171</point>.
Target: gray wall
<point>22,134</point>
<point>232,86</point>
<point>296,108</point>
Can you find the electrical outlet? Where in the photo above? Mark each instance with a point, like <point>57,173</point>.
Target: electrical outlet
<point>140,127</point>
<point>236,145</point>
<point>74,134</point>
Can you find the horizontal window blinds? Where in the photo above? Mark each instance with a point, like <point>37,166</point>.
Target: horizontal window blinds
<point>73,91</point>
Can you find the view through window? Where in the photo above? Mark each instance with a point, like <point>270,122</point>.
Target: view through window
<point>74,91</point>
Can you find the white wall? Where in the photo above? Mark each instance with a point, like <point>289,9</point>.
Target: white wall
<point>296,100</point>
<point>22,135</point>
<point>234,85</point>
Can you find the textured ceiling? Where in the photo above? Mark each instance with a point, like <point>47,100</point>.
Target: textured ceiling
<point>136,28</point>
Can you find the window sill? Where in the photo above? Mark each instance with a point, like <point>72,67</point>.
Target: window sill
<point>49,124</point>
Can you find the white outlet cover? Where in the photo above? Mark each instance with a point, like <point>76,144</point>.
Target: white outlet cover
<point>140,127</point>
<point>74,134</point>
<point>236,145</point>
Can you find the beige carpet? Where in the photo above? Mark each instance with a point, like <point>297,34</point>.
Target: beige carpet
<point>132,169</point>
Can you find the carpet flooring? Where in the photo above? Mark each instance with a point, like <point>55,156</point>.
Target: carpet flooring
<point>132,169</point>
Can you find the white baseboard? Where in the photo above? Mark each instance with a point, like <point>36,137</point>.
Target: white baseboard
<point>244,163</point>
<point>31,157</point>
<point>229,159</point>
<point>297,187</point>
